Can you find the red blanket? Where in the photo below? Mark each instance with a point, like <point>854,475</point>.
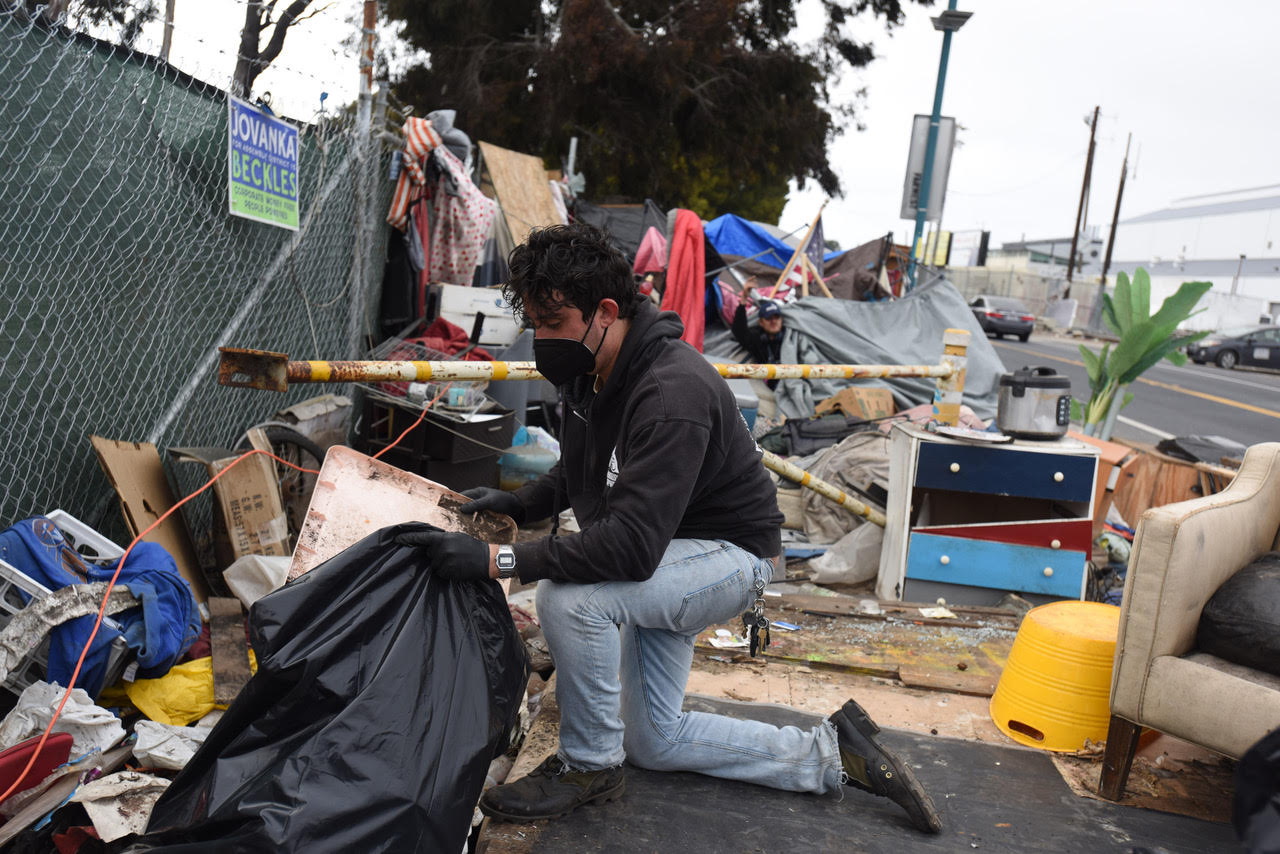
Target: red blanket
<point>686,277</point>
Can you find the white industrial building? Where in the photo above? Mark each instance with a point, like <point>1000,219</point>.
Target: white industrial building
<point>1231,239</point>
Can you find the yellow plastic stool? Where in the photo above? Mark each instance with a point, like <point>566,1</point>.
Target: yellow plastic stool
<point>1055,688</point>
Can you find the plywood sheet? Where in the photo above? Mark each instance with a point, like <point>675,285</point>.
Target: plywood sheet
<point>520,185</point>
<point>356,495</point>
<point>1153,481</point>
<point>137,474</point>
<point>951,657</point>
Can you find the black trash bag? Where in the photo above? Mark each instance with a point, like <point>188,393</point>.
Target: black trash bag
<point>1241,621</point>
<point>382,695</point>
<point>1257,805</point>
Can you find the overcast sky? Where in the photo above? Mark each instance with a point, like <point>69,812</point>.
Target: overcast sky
<point>1193,81</point>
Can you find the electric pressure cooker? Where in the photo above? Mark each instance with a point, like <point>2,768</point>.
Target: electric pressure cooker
<point>1034,403</point>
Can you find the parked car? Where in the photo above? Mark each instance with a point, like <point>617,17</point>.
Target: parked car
<point>1003,316</point>
<point>1241,345</point>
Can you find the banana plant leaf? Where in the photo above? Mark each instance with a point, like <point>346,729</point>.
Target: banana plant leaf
<point>1140,294</point>
<point>1122,304</point>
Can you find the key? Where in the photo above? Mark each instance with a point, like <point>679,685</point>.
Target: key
<point>763,632</point>
<point>751,628</point>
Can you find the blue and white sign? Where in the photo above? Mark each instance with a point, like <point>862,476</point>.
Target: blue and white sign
<point>262,165</point>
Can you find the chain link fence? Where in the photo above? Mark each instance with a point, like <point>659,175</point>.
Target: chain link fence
<point>1039,293</point>
<point>123,272</point>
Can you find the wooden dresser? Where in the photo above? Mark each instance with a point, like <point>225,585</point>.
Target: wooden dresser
<point>969,521</point>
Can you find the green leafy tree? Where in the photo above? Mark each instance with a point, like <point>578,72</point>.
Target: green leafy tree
<point>706,104</point>
<point>1145,339</point>
<point>123,19</point>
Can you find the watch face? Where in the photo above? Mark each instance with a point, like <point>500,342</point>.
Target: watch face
<point>506,559</point>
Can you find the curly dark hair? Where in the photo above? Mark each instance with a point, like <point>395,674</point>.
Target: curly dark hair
<point>568,265</point>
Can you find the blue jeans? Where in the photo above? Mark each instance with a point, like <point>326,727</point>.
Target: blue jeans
<point>623,650</point>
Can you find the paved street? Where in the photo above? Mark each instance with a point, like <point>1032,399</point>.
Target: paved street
<point>1243,405</point>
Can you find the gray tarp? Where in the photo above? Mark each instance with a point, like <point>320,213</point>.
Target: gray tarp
<point>908,331</point>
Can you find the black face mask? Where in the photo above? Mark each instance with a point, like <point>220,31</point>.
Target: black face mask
<point>563,360</point>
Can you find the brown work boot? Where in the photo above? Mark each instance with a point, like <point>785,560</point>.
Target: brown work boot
<point>872,768</point>
<point>552,790</point>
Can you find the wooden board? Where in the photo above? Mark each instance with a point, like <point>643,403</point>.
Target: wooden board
<point>137,474</point>
<point>229,649</point>
<point>520,185</point>
<point>356,495</point>
<point>1154,481</point>
<point>935,654</point>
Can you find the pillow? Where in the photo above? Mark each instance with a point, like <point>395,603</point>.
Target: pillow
<point>1241,623</point>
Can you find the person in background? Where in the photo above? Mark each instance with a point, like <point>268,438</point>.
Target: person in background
<point>764,343</point>
<point>680,530</point>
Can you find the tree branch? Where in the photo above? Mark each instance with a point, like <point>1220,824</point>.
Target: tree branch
<point>281,28</point>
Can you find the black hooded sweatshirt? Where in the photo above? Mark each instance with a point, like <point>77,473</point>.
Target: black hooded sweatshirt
<point>660,453</point>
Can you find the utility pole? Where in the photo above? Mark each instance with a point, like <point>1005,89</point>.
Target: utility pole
<point>1084,189</point>
<point>1115,217</point>
<point>168,30</point>
<point>367,160</point>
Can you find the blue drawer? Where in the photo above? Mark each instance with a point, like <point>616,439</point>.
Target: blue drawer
<point>1000,471</point>
<point>1002,566</point>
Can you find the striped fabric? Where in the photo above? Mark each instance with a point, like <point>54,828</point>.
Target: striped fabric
<point>421,139</point>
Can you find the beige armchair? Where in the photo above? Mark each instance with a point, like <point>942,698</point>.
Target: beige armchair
<point>1182,554</point>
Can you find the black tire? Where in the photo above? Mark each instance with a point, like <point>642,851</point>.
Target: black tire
<point>295,486</point>
<point>1024,336</point>
<point>1227,359</point>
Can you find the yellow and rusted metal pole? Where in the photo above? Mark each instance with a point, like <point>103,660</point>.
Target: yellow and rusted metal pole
<point>276,372</point>
<point>793,472</point>
<point>950,390</point>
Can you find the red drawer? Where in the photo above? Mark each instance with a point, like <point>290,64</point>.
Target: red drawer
<point>1070,534</point>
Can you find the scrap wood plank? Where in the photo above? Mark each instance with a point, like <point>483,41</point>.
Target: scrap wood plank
<point>137,475</point>
<point>955,682</point>
<point>847,606</point>
<point>229,648</point>
<point>521,187</point>
<point>931,653</point>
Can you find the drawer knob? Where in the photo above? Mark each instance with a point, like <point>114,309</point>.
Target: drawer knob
<point>944,560</point>
<point>955,467</point>
<point>1055,544</point>
<point>1057,477</point>
<point>1048,572</point>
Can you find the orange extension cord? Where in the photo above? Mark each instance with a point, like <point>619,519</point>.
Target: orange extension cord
<point>75,674</point>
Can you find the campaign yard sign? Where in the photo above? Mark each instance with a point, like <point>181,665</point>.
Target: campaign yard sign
<point>262,165</point>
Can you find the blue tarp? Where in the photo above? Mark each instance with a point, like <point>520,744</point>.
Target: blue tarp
<point>732,235</point>
<point>159,631</point>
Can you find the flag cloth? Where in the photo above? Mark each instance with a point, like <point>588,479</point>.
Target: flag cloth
<point>814,249</point>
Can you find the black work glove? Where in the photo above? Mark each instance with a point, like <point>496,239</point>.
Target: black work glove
<point>497,500</point>
<point>452,555</point>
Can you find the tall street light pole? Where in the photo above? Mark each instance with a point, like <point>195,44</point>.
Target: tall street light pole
<point>1084,191</point>
<point>948,22</point>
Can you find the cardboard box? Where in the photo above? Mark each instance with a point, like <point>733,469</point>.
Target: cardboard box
<point>459,304</point>
<point>137,474</point>
<point>860,402</point>
<point>248,515</point>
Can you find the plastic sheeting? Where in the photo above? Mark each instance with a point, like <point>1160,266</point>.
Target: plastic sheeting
<point>730,234</point>
<point>382,694</point>
<point>907,331</point>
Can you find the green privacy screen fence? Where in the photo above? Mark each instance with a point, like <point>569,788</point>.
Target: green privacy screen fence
<point>122,272</point>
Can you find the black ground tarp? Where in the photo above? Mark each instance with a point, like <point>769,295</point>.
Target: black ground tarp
<point>994,799</point>
<point>381,696</point>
